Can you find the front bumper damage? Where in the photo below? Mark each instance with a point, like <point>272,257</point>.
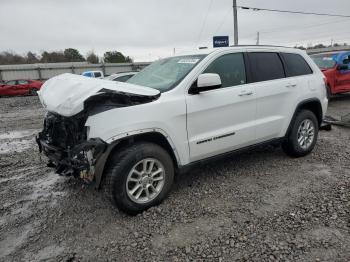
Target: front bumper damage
<point>79,161</point>
<point>70,100</point>
<point>63,141</point>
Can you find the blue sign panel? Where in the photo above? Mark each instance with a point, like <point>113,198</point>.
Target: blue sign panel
<point>220,41</point>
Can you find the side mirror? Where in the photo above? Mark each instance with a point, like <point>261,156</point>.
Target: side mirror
<point>205,82</point>
<point>342,67</point>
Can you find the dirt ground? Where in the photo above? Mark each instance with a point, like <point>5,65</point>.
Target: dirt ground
<point>256,206</point>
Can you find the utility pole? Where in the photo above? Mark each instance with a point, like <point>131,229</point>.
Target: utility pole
<point>235,22</point>
<point>257,38</point>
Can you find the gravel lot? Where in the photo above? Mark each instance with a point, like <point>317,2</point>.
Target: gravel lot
<point>260,205</point>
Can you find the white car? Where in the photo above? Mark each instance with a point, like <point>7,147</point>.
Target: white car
<point>121,77</point>
<point>132,138</point>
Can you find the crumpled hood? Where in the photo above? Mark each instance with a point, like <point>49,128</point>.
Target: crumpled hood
<point>65,94</point>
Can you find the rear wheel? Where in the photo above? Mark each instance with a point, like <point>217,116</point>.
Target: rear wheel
<point>139,177</point>
<point>302,136</point>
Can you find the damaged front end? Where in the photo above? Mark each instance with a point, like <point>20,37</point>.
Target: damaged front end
<point>70,100</point>
<point>64,141</point>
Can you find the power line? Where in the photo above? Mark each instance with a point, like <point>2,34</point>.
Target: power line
<point>293,28</point>
<point>204,22</point>
<point>289,11</point>
<point>223,21</point>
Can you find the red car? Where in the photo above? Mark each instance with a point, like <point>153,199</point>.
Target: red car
<point>335,66</point>
<point>20,87</point>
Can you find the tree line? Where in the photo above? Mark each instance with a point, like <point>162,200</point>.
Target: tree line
<point>73,55</point>
<point>67,55</point>
<point>318,46</point>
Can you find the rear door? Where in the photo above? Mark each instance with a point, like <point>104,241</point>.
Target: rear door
<point>222,119</point>
<point>274,93</point>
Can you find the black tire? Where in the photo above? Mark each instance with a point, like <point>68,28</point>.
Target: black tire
<point>119,167</point>
<point>291,145</point>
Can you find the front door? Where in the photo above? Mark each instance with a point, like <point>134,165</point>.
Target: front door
<point>222,119</point>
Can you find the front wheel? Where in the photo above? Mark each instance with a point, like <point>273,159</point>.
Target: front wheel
<point>139,177</point>
<point>302,136</point>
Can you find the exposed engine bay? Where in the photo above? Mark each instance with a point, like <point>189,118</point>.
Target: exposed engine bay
<point>64,139</point>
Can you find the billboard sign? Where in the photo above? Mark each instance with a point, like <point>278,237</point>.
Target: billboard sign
<point>220,41</point>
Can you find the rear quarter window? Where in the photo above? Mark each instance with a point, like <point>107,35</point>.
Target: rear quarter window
<point>295,65</point>
<point>265,66</point>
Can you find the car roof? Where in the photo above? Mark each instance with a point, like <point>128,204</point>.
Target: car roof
<point>238,48</point>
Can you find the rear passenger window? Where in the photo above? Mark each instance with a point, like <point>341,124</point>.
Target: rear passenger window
<point>295,65</point>
<point>265,66</point>
<point>230,68</point>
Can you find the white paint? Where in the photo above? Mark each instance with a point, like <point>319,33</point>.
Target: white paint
<point>255,112</point>
<point>65,94</point>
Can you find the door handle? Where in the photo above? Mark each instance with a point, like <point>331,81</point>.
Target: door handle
<point>291,85</point>
<point>246,93</point>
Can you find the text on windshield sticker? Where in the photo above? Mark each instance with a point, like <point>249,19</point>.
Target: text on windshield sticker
<point>188,61</point>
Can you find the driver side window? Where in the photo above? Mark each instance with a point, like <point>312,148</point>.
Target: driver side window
<point>230,68</point>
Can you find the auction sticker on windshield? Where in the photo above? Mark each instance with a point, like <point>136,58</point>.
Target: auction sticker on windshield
<point>188,61</point>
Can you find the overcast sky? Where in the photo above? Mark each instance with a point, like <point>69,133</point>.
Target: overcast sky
<point>148,29</point>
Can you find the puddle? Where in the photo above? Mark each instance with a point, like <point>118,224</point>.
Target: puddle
<point>15,146</point>
<point>17,174</point>
<point>42,188</point>
<point>17,141</point>
<point>18,134</point>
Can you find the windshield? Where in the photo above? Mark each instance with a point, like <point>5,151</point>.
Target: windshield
<point>165,74</point>
<point>111,77</point>
<point>324,61</point>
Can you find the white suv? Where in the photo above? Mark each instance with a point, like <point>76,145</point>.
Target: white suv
<point>131,138</point>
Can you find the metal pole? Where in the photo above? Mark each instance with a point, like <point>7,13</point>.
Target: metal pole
<point>39,73</point>
<point>235,22</point>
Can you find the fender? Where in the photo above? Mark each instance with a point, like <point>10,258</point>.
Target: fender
<point>114,141</point>
<point>304,104</point>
